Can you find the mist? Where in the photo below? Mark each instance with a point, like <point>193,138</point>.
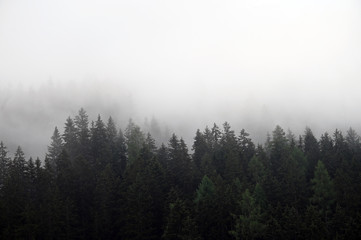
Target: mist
<point>254,64</point>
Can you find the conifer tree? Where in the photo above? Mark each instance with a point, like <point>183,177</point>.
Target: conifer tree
<point>199,148</point>
<point>180,224</point>
<point>323,192</point>
<point>230,152</point>
<point>100,147</point>
<point>134,140</point>
<point>249,224</point>
<point>70,138</point>
<point>4,164</point>
<point>55,148</point>
<point>82,132</point>
<point>205,208</point>
<point>312,152</point>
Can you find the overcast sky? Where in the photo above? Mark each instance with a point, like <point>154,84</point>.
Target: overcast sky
<point>187,63</point>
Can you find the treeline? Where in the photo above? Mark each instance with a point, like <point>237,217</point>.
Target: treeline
<point>98,182</point>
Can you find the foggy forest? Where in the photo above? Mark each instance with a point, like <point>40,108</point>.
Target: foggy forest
<point>175,120</point>
<point>101,182</point>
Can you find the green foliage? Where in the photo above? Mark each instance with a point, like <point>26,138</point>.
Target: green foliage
<point>249,224</point>
<point>134,140</point>
<point>180,224</point>
<point>323,190</point>
<point>205,191</point>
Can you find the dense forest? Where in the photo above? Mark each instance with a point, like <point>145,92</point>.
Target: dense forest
<point>98,182</point>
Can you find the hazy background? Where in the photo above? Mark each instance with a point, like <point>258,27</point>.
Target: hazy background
<point>185,63</point>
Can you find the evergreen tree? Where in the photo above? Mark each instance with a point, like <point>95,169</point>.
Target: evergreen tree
<point>323,192</point>
<point>205,201</point>
<point>327,153</point>
<point>312,152</point>
<point>353,142</point>
<point>4,164</point>
<point>199,148</point>
<point>100,147</point>
<point>83,133</point>
<point>120,153</point>
<point>70,138</point>
<point>134,140</point>
<point>55,148</point>
<point>112,132</point>
<point>256,170</point>
<point>180,167</point>
<point>144,197</point>
<point>180,224</point>
<point>106,208</point>
<point>247,148</point>
<point>249,224</point>
<point>230,152</point>
<point>15,197</point>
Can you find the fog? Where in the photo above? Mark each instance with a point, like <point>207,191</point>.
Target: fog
<point>186,64</point>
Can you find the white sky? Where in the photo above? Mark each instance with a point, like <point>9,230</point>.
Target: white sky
<point>293,63</point>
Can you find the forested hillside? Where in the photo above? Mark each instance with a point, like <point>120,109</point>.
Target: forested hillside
<point>99,182</point>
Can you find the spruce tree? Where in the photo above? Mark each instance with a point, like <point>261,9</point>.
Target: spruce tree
<point>323,192</point>
<point>70,138</point>
<point>249,224</point>
<point>4,164</point>
<point>55,148</point>
<point>82,133</point>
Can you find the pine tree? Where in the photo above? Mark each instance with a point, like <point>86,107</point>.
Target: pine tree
<point>180,224</point>
<point>230,152</point>
<point>353,142</point>
<point>55,148</point>
<point>120,154</point>
<point>249,224</point>
<point>180,166</point>
<point>100,147</point>
<point>70,138</point>
<point>246,148</point>
<point>327,153</point>
<point>312,152</point>
<point>4,165</point>
<point>15,197</point>
<point>144,196</point>
<point>323,192</point>
<point>82,133</point>
<point>199,148</point>
<point>205,208</point>
<point>256,170</point>
<point>134,140</point>
<point>106,208</point>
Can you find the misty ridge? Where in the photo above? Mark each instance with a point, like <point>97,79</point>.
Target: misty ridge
<point>28,109</point>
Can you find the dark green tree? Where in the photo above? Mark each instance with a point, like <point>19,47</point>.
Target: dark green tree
<point>205,209</point>
<point>134,140</point>
<point>144,197</point>
<point>230,154</point>
<point>55,148</point>
<point>249,224</point>
<point>323,193</point>
<point>100,147</point>
<point>106,204</point>
<point>4,164</point>
<point>180,224</point>
<point>312,152</point>
<point>83,133</point>
<point>70,138</point>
